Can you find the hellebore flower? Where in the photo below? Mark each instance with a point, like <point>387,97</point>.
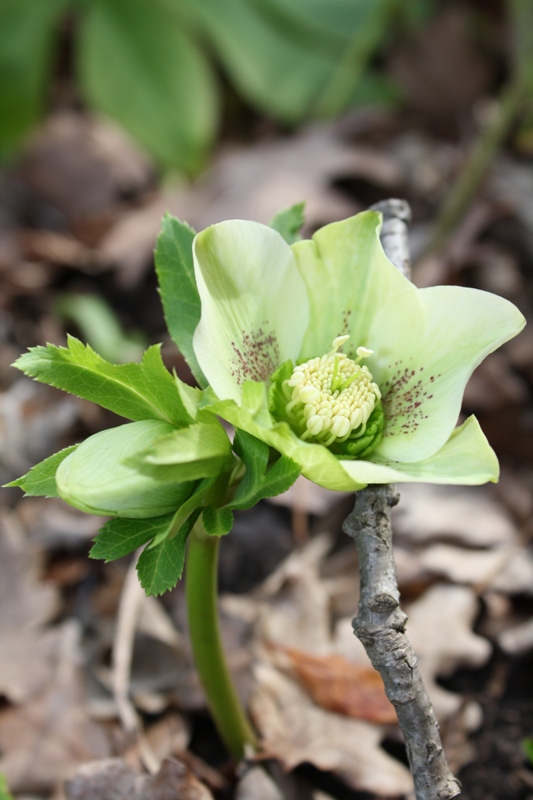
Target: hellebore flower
<point>275,319</point>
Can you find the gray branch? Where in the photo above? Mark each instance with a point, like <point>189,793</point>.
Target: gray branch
<point>380,622</point>
<point>394,232</point>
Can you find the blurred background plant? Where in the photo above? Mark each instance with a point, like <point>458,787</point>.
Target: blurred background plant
<point>160,68</point>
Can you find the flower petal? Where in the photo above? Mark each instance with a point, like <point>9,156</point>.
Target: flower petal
<point>466,458</point>
<point>348,278</point>
<point>255,309</point>
<point>427,345</point>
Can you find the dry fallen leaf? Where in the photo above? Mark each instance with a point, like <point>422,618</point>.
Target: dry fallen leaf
<point>464,514</point>
<point>43,741</point>
<point>255,183</point>
<point>294,730</point>
<point>440,630</point>
<point>28,652</point>
<point>113,779</point>
<point>336,684</point>
<point>292,610</point>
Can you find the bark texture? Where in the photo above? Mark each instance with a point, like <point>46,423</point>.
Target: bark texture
<point>380,625</point>
<point>380,622</point>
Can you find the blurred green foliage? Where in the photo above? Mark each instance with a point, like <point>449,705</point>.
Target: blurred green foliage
<point>4,792</point>
<point>152,64</point>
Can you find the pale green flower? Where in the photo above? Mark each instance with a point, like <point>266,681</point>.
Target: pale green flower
<point>268,307</point>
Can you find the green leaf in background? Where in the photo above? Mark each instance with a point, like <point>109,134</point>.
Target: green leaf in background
<point>527,744</point>
<point>100,327</point>
<point>160,568</point>
<point>296,59</point>
<point>199,451</point>
<point>289,222</point>
<point>177,286</point>
<point>40,481</point>
<point>217,521</point>
<point>521,18</point>
<point>27,32</point>
<point>138,65</point>
<point>4,792</point>
<point>135,391</point>
<point>119,537</point>
<point>257,482</point>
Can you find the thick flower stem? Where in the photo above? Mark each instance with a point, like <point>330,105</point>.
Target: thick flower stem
<point>201,588</point>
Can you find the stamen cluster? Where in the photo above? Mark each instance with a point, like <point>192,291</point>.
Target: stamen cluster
<point>332,395</point>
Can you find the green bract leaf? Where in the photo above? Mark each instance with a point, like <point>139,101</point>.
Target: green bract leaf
<point>27,32</point>
<point>119,537</point>
<point>199,451</point>
<point>40,481</point>
<point>289,222</point>
<point>97,477</point>
<point>138,66</point>
<point>217,521</point>
<point>177,286</point>
<point>187,509</point>
<point>257,482</point>
<point>135,391</point>
<point>160,567</point>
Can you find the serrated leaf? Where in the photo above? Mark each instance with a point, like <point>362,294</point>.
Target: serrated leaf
<point>258,483</point>
<point>40,481</point>
<point>119,537</point>
<point>135,391</point>
<point>177,286</point>
<point>289,222</point>
<point>27,32</point>
<point>191,397</point>
<point>199,451</point>
<point>254,455</point>
<point>160,568</point>
<point>279,477</point>
<point>137,63</point>
<point>217,521</point>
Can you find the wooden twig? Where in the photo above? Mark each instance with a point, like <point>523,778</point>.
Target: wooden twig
<point>380,622</point>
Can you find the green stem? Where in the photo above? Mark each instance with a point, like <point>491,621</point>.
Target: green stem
<point>201,589</point>
<point>478,163</point>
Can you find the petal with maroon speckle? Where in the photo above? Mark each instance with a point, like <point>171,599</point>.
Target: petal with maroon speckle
<point>255,309</point>
<point>426,347</point>
<point>466,458</point>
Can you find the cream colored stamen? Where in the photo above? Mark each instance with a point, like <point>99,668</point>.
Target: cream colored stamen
<point>332,395</point>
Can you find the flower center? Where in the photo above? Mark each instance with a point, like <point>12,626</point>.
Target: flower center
<point>331,396</point>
